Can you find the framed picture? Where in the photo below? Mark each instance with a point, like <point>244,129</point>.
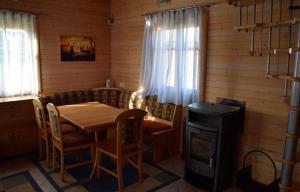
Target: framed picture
<point>77,48</point>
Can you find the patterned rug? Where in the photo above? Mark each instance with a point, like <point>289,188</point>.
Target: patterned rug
<point>19,182</point>
<point>154,178</point>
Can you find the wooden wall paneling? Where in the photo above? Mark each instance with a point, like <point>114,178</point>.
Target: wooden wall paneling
<point>78,18</point>
<point>18,131</point>
<point>203,58</point>
<point>56,18</point>
<point>231,72</point>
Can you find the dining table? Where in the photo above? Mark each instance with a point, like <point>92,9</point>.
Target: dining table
<point>91,116</point>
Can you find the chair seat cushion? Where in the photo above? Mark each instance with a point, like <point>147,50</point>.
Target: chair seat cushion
<point>62,121</point>
<point>65,128</point>
<point>150,126</point>
<point>110,146</point>
<point>76,139</point>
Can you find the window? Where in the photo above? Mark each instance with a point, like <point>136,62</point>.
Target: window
<point>18,55</point>
<point>191,51</point>
<point>170,60</point>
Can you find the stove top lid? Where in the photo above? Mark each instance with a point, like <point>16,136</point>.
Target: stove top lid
<point>213,108</point>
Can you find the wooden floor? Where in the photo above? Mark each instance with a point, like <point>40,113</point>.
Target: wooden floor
<point>175,165</point>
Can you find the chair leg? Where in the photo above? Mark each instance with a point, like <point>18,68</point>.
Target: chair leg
<point>81,154</point>
<point>53,157</point>
<point>92,151</point>
<point>47,153</point>
<point>140,166</point>
<point>98,163</point>
<point>62,166</point>
<point>41,147</point>
<point>120,174</point>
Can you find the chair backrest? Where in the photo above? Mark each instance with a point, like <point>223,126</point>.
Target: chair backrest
<point>39,114</point>
<point>54,119</point>
<point>129,129</point>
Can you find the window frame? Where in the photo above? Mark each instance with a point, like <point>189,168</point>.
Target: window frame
<point>27,94</point>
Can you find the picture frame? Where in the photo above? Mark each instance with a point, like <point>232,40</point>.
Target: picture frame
<point>77,48</point>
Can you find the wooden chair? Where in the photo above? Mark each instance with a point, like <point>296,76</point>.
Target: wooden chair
<point>67,143</point>
<point>43,134</point>
<point>127,144</point>
<point>45,131</point>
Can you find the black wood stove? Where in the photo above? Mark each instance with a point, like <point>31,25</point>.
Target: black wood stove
<point>210,145</point>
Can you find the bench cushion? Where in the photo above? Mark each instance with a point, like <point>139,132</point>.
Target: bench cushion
<point>151,126</point>
<point>164,111</point>
<point>108,96</point>
<point>65,128</point>
<point>149,103</point>
<point>68,97</point>
<point>124,99</point>
<point>156,109</point>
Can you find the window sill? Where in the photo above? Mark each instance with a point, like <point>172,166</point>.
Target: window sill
<point>18,98</point>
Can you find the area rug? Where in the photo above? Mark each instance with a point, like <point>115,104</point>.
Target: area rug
<point>77,178</point>
<point>22,181</point>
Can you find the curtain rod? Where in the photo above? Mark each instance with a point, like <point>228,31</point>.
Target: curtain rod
<point>19,11</point>
<point>187,7</point>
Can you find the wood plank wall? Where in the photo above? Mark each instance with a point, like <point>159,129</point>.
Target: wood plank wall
<point>18,132</point>
<point>56,18</point>
<point>231,73</point>
<point>75,18</point>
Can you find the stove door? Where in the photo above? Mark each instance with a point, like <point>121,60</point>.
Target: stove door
<point>201,149</point>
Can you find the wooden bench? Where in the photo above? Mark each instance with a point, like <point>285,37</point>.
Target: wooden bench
<point>161,127</point>
<point>109,96</point>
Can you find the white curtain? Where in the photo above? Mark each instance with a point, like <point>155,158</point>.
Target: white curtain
<point>170,60</point>
<point>18,54</point>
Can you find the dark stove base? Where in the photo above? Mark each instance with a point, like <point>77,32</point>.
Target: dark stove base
<point>202,182</point>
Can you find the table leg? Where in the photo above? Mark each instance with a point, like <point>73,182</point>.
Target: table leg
<point>94,156</point>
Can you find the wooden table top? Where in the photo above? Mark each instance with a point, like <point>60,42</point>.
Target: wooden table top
<point>91,116</point>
